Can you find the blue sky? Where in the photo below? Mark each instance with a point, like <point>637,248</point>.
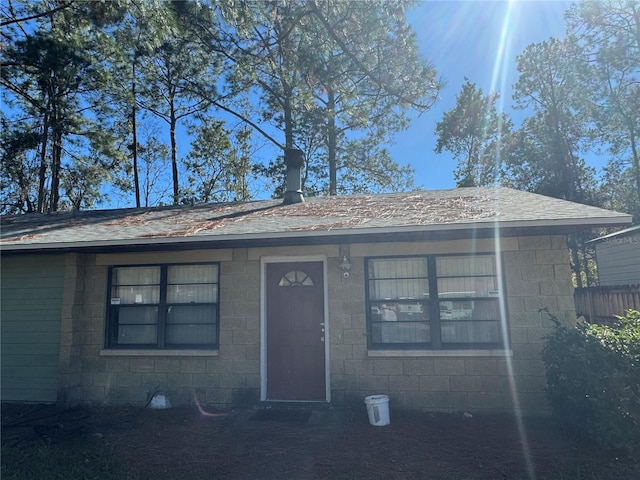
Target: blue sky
<point>479,40</point>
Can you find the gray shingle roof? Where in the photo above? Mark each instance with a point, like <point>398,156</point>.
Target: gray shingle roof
<point>437,210</point>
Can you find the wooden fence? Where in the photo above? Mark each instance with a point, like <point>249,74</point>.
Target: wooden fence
<point>602,304</point>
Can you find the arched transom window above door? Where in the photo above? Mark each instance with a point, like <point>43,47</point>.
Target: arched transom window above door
<point>295,278</point>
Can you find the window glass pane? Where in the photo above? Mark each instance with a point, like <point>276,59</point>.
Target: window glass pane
<point>398,268</point>
<point>470,310</point>
<point>135,285</point>
<point>398,289</point>
<point>190,293</point>
<point>137,334</point>
<point>191,334</point>
<point>399,311</point>
<point>399,322</point>
<point>486,310</point>
<point>128,295</point>
<point>400,332</point>
<point>137,325</point>
<point>467,287</point>
<point>192,274</point>
<point>137,315</point>
<point>296,278</point>
<point>470,332</point>
<point>136,276</point>
<point>465,266</point>
<point>191,324</point>
<point>401,278</point>
<point>191,314</point>
<point>456,310</point>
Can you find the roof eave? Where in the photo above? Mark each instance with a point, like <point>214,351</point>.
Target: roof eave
<point>365,235</point>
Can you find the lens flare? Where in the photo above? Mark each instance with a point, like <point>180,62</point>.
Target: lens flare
<point>499,83</point>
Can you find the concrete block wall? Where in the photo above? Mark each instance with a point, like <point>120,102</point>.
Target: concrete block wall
<point>537,276</point>
<point>228,376</point>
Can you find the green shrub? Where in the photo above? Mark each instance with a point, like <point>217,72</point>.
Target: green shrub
<point>593,380</point>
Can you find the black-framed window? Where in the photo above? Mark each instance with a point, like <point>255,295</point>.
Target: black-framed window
<point>433,302</point>
<point>163,306</point>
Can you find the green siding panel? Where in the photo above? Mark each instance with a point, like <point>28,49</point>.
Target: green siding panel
<point>21,263</point>
<point>30,308</point>
<point>30,323</point>
<point>9,348</point>
<point>36,277</point>
<point>31,340</point>
<point>29,394</point>
<point>23,375</point>
<point>16,296</point>
<point>22,360</point>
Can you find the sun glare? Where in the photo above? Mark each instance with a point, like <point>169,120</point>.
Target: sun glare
<point>498,84</point>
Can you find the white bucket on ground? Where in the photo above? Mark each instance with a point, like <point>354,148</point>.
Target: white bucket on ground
<point>377,409</point>
<point>159,402</point>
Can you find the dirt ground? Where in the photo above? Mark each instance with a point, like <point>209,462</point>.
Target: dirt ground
<point>41,442</point>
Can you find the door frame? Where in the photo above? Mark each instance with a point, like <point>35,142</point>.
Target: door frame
<point>263,317</point>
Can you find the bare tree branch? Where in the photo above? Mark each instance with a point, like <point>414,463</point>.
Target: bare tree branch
<point>249,122</point>
<point>37,15</point>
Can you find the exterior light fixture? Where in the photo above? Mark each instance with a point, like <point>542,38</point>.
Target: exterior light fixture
<point>345,265</point>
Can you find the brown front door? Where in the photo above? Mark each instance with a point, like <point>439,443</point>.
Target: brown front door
<point>295,331</point>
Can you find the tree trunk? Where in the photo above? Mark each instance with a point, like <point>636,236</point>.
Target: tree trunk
<point>587,271</point>
<point>174,155</point>
<point>331,142</point>
<point>288,120</point>
<point>134,128</point>
<point>565,155</point>
<point>575,259</point>
<point>42,172</point>
<point>56,167</point>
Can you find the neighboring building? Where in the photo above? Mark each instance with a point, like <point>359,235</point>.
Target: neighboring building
<point>431,297</point>
<point>618,257</point>
<point>618,290</point>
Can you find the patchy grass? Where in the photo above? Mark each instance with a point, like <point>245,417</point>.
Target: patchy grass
<point>180,443</point>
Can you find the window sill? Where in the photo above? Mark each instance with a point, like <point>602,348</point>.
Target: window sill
<point>440,353</point>
<point>157,353</point>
